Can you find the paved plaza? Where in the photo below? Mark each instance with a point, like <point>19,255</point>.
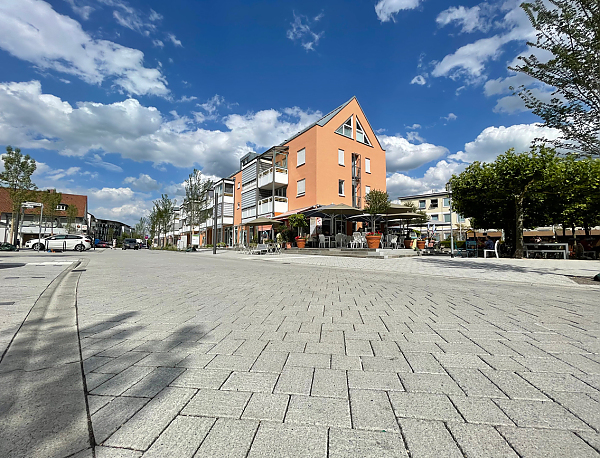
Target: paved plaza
<point>196,355</point>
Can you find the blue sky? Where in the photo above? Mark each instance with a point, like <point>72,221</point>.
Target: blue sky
<point>120,99</point>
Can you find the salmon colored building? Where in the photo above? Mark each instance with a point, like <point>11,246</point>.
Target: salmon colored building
<point>337,159</point>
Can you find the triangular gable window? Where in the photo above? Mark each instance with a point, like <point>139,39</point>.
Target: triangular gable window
<point>360,134</point>
<point>346,128</point>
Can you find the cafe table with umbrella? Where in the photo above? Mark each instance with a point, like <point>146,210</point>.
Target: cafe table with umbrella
<point>338,209</point>
<point>262,221</point>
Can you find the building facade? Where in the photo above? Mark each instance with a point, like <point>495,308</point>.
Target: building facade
<point>436,206</point>
<point>337,159</point>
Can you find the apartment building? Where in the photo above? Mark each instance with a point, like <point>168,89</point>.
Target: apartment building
<point>337,159</point>
<point>437,207</point>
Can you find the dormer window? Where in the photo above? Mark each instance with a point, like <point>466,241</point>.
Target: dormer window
<point>61,207</point>
<point>346,128</point>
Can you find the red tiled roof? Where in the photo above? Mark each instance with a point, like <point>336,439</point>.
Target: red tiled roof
<point>68,199</point>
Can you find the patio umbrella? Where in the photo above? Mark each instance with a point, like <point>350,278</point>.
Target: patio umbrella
<point>262,221</point>
<point>339,209</point>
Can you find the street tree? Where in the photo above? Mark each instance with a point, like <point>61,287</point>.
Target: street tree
<point>569,30</point>
<point>377,202</point>
<point>196,198</point>
<point>51,200</point>
<point>510,193</point>
<point>163,215</point>
<point>141,228</point>
<point>16,176</point>
<point>71,216</point>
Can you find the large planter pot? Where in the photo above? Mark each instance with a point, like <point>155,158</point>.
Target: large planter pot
<point>373,241</point>
<point>408,243</point>
<point>301,243</point>
<point>421,244</point>
<point>288,245</point>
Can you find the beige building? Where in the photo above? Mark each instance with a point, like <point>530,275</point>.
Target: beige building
<point>437,207</point>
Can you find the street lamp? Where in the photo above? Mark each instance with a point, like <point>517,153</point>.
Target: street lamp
<point>32,205</point>
<point>449,190</point>
<point>214,195</point>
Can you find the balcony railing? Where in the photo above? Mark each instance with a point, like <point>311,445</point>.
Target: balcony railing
<point>356,202</point>
<point>249,213</point>
<point>265,206</point>
<point>355,172</point>
<point>266,178</point>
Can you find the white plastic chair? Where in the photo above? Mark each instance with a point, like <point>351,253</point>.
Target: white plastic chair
<point>363,239</point>
<point>495,250</point>
<point>322,241</point>
<point>339,240</point>
<point>393,241</point>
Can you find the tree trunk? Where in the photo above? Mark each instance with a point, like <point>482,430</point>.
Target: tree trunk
<point>12,227</point>
<point>519,227</point>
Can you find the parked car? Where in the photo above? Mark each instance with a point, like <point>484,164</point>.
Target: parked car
<point>5,246</point>
<point>130,244</point>
<point>102,244</point>
<point>62,242</point>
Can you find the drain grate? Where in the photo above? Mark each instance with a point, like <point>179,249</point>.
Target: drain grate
<point>79,270</point>
<point>38,277</point>
<point>6,303</point>
<point>11,278</point>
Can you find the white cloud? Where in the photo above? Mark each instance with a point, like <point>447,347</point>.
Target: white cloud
<point>494,141</point>
<point>413,136</point>
<point>414,126</point>
<point>49,40</point>
<point>477,18</point>
<point>302,31</point>
<point>386,9</point>
<point>419,79</point>
<point>174,40</point>
<point>158,43</point>
<point>185,98</point>
<point>82,10</point>
<point>450,117</point>
<point>33,119</point>
<point>402,155</point>
<point>434,179</point>
<point>144,183</point>
<point>96,161</point>
<point>122,204</point>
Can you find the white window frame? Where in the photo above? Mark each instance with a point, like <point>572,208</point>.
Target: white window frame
<point>238,185</point>
<point>367,190</point>
<point>61,207</point>
<point>361,131</point>
<point>422,206</point>
<point>446,200</point>
<point>301,154</point>
<point>367,165</point>
<point>349,123</point>
<point>343,183</point>
<point>298,193</point>
<point>341,157</point>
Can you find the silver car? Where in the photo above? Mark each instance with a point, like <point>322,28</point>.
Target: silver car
<point>62,242</point>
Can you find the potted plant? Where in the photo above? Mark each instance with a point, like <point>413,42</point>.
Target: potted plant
<point>421,244</point>
<point>298,221</point>
<point>377,203</point>
<point>373,239</point>
<point>408,242</point>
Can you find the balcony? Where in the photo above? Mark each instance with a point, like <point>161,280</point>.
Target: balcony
<point>265,206</point>
<point>265,179</point>
<point>355,173</point>
<point>356,202</point>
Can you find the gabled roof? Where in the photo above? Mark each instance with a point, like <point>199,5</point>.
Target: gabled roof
<point>321,122</point>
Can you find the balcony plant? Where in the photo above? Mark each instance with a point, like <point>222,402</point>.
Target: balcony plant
<point>373,239</point>
<point>298,222</point>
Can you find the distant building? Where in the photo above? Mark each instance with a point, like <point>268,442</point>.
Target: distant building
<point>437,207</point>
<point>107,229</point>
<point>30,226</point>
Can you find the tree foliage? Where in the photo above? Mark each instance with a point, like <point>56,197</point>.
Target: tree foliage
<point>71,216</point>
<point>196,198</point>
<point>528,190</point>
<point>141,228</point>
<point>51,200</point>
<point>377,202</point>
<point>16,176</point>
<point>298,221</point>
<point>571,33</point>
<point>413,207</point>
<point>161,217</point>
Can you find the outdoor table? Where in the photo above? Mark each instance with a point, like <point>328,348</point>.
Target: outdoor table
<point>329,239</point>
<point>546,248</point>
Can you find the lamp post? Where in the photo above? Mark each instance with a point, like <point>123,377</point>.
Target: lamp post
<point>449,190</point>
<point>215,196</point>
<point>25,205</point>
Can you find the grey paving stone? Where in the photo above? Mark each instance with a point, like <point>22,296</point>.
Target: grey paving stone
<point>460,360</point>
<point>288,347</point>
<point>181,438</point>
<point>252,347</point>
<point>111,452</point>
<point>424,363</point>
<point>428,439</point>
<point>289,441</point>
<point>94,362</point>
<point>372,410</point>
<point>270,361</point>
<point>258,382</point>
<point>121,382</point>
<point>93,379</point>
<point>474,383</point>
<point>354,443</point>
<point>581,405</point>
<point>592,439</point>
<point>480,441</point>
<point>540,414</point>
<point>266,407</point>
<point>122,362</point>
<point>162,359</point>
<point>502,363</point>
<point>109,418</point>
<point>549,364</point>
<point>95,403</point>
<point>480,410</point>
<point>330,383</point>
<point>424,406</point>
<point>201,378</point>
<point>226,347</point>
<point>319,411</point>
<point>154,382</point>
<point>295,380</point>
<point>381,364</point>
<point>430,383</point>
<point>556,382</point>
<point>385,348</point>
<point>358,347</point>
<point>540,443</point>
<point>308,360</point>
<point>384,381</point>
<point>326,348</point>
<point>514,386</point>
<point>228,439</point>
<point>231,362</point>
<point>215,403</point>
<point>346,362</point>
<point>146,425</point>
